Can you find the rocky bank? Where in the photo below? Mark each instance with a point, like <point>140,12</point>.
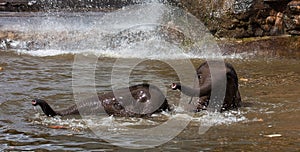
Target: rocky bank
<point>258,27</point>
<point>224,18</point>
<point>247,18</point>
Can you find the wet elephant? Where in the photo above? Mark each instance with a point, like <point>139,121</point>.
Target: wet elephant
<point>232,99</point>
<point>136,101</point>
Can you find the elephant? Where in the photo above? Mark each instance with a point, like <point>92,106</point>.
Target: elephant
<point>232,99</point>
<point>136,101</point>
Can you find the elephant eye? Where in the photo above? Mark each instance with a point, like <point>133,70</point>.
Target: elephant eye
<point>117,106</point>
<point>199,76</point>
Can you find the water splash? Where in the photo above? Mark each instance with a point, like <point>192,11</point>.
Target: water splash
<point>118,123</point>
<point>128,33</point>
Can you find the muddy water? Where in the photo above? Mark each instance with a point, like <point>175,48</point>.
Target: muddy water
<point>39,63</point>
<point>269,88</point>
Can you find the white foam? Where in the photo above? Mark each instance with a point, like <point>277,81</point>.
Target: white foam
<point>121,123</point>
<point>142,54</point>
<point>216,118</point>
<point>44,53</point>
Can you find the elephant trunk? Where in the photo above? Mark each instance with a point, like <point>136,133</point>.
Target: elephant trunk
<point>46,108</point>
<point>193,92</point>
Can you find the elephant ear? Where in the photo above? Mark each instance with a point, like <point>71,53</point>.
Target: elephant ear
<point>228,70</point>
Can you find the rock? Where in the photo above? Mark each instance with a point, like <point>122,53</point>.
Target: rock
<point>242,6</point>
<point>278,26</point>
<point>243,18</point>
<point>270,20</point>
<point>235,21</point>
<point>297,20</point>
<point>294,6</point>
<point>235,33</point>
<point>294,32</point>
<point>293,24</point>
<point>259,32</point>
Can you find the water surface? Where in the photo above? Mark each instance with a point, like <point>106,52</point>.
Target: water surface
<point>269,88</point>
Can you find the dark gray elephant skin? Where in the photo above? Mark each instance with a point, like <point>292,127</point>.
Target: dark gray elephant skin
<point>136,101</point>
<point>232,98</point>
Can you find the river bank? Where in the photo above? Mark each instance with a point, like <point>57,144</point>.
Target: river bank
<point>268,46</point>
<point>224,18</point>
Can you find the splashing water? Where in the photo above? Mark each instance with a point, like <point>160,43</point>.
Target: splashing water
<point>154,31</point>
<point>120,123</point>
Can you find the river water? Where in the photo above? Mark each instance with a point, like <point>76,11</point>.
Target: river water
<point>39,63</point>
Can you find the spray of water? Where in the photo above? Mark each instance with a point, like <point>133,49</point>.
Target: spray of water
<point>103,34</point>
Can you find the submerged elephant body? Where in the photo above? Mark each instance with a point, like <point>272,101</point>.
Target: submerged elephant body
<point>135,101</point>
<point>144,99</point>
<point>232,98</point>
